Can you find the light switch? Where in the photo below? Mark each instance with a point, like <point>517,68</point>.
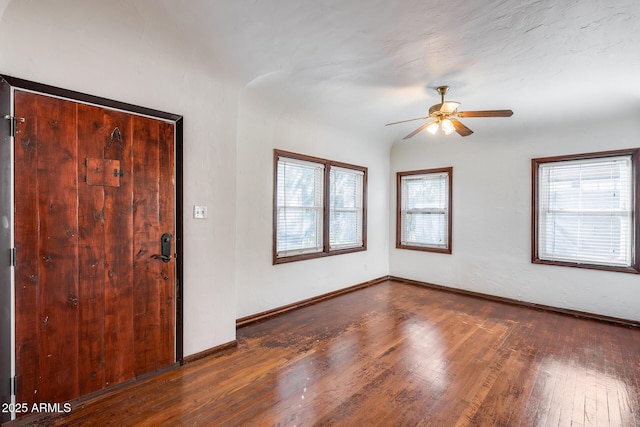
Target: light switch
<point>199,212</point>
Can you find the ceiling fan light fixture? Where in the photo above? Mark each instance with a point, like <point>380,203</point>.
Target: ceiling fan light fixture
<point>445,115</point>
<point>433,128</point>
<point>447,127</point>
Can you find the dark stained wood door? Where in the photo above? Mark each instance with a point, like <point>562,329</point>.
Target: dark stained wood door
<point>94,193</point>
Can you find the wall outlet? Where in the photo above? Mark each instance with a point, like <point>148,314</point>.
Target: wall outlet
<point>199,212</point>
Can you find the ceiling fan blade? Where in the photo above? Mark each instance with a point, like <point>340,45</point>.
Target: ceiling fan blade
<point>460,128</point>
<point>405,121</point>
<point>486,113</point>
<point>417,130</point>
<point>449,106</point>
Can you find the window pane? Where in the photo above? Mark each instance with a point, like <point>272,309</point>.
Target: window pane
<point>588,186</point>
<point>425,229</point>
<point>584,237</point>
<point>298,229</point>
<point>426,192</point>
<point>299,185</point>
<point>346,228</point>
<point>346,189</point>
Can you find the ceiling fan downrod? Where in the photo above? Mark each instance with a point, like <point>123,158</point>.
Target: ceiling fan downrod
<point>442,90</point>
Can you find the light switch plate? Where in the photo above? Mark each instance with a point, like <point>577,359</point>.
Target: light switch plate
<point>199,212</point>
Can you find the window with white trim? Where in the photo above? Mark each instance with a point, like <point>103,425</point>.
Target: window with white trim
<point>585,210</point>
<point>424,210</point>
<point>319,207</point>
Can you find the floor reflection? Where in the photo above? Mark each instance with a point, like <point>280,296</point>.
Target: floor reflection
<point>425,355</point>
<point>582,393</point>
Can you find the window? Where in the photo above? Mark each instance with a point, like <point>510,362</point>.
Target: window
<point>423,220</point>
<point>584,210</point>
<point>345,222</point>
<point>299,207</point>
<point>319,207</point>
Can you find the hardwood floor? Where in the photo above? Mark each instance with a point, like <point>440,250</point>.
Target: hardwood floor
<point>392,355</point>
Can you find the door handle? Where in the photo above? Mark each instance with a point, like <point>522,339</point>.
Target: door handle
<point>165,248</point>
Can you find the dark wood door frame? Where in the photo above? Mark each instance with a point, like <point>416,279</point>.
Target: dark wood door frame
<point>7,86</point>
<point>6,304</point>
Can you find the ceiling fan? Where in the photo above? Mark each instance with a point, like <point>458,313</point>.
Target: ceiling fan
<point>445,115</point>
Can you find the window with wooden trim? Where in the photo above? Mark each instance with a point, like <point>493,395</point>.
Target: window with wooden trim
<point>346,209</point>
<point>423,217</point>
<point>585,210</point>
<point>319,207</point>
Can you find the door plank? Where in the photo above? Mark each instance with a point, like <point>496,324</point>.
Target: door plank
<point>167,288</point>
<point>90,250</point>
<point>146,243</point>
<point>118,256</point>
<point>58,206</point>
<point>27,271</point>
<point>105,215</point>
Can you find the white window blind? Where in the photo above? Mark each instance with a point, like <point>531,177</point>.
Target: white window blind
<point>585,211</point>
<point>425,210</point>
<point>299,205</point>
<point>346,208</point>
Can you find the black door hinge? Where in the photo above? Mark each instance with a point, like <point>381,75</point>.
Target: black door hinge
<point>12,124</point>
<point>12,257</point>
<point>14,386</point>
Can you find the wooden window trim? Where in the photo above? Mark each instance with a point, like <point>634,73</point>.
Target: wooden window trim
<point>326,251</point>
<point>399,244</point>
<point>635,173</point>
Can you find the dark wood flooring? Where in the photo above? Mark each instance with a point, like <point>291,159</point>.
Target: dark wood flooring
<point>396,355</point>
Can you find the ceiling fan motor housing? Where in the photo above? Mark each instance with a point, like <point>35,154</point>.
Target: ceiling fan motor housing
<point>434,110</point>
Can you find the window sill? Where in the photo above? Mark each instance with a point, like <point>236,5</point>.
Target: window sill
<point>424,248</point>
<point>632,270</point>
<point>302,257</point>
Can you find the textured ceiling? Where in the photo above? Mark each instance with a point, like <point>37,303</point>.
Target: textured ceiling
<point>368,62</point>
<point>362,63</point>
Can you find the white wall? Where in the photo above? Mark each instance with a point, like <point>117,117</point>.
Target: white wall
<point>261,128</point>
<point>113,50</point>
<point>492,215</point>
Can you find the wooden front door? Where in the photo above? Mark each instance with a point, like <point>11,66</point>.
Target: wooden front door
<point>95,298</point>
